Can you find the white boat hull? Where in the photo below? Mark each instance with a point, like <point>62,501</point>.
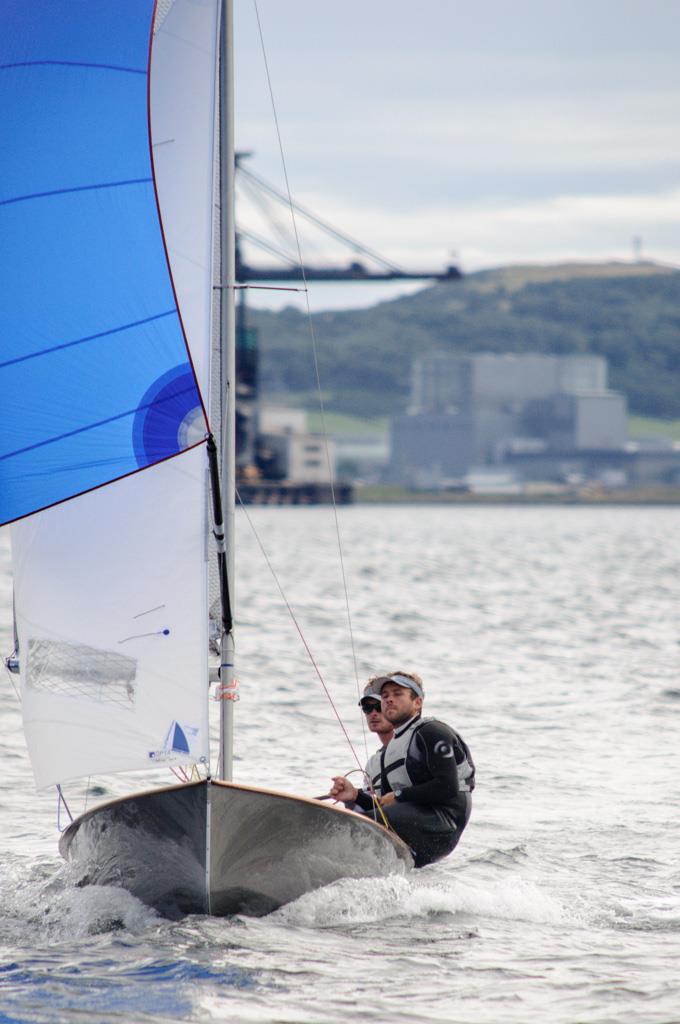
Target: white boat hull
<point>218,848</point>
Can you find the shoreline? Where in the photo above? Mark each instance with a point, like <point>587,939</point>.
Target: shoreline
<point>384,495</point>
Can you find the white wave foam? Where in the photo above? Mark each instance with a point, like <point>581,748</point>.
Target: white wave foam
<point>94,909</point>
<point>41,906</point>
<point>363,901</point>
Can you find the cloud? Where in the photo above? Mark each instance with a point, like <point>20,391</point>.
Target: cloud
<point>507,133</point>
<point>552,229</point>
<point>566,226</point>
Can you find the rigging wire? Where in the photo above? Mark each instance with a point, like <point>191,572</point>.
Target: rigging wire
<point>262,243</point>
<point>324,226</point>
<point>62,801</point>
<point>259,200</point>
<point>297,625</point>
<point>312,659</point>
<point>316,365</point>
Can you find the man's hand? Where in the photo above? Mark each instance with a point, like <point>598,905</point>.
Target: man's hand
<point>387,800</point>
<point>342,789</point>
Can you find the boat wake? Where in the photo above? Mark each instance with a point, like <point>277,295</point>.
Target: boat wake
<point>369,900</point>
<point>40,906</point>
<point>93,910</point>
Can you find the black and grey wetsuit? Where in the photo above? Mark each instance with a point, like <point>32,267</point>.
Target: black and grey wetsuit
<point>429,768</point>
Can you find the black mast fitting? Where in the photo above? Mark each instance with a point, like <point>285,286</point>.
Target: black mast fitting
<point>218,533</point>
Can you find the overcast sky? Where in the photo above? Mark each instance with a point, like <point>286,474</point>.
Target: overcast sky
<point>501,131</point>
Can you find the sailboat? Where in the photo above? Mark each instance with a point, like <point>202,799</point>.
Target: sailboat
<point>117,459</point>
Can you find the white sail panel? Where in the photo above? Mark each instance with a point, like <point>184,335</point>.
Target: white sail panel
<point>111,588</point>
<point>182,93</point>
<point>112,622</point>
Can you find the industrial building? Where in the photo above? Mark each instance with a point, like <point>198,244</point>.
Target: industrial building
<point>534,417</point>
<point>292,463</point>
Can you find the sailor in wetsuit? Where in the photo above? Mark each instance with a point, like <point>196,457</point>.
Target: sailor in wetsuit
<point>371,706</point>
<point>426,774</point>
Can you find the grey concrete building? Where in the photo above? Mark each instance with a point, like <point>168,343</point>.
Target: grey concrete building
<point>583,421</point>
<point>468,411</point>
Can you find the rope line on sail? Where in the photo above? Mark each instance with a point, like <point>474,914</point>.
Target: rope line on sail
<point>312,333</point>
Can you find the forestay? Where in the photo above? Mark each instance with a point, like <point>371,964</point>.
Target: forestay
<point>106,217</point>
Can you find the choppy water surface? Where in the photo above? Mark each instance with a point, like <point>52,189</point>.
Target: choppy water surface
<point>549,638</point>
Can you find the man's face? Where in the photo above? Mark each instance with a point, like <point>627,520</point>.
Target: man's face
<point>375,719</point>
<point>399,703</point>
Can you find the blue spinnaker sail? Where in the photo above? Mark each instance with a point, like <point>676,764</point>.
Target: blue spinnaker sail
<point>96,380</point>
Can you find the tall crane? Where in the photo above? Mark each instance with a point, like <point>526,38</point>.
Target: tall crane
<point>290,270</point>
<point>365,265</point>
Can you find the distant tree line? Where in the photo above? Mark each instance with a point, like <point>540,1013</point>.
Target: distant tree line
<point>365,356</point>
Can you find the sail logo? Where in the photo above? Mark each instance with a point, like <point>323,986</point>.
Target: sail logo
<point>174,744</point>
<point>169,417</point>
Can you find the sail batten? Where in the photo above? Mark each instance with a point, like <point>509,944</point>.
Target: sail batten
<point>76,188</point>
<point>90,337</point>
<point>72,64</point>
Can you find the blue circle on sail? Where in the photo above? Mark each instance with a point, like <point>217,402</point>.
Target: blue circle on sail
<point>169,417</point>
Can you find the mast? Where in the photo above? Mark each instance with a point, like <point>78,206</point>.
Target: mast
<point>228,363</point>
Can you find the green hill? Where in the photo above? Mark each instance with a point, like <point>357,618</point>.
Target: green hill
<point>629,313</point>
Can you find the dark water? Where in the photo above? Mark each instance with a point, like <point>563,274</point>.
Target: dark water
<point>550,639</point>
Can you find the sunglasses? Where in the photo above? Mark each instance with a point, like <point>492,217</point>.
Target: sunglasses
<point>367,708</point>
